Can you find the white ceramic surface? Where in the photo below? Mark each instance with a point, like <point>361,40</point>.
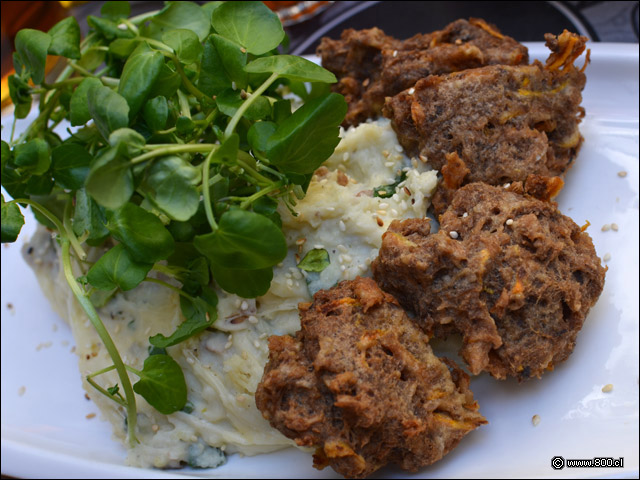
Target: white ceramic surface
<point>45,431</point>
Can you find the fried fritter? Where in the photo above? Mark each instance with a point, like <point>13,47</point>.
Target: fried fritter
<point>370,65</point>
<point>360,383</point>
<point>510,273</point>
<point>501,122</point>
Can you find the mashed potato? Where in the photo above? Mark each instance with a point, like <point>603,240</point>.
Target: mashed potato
<point>222,368</point>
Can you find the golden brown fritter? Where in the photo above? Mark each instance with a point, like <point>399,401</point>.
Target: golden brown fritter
<point>509,272</point>
<point>370,65</point>
<point>360,383</point>
<point>503,122</point>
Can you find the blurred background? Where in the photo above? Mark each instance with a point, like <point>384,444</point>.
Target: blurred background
<point>307,22</point>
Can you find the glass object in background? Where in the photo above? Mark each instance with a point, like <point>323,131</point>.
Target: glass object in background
<point>291,13</point>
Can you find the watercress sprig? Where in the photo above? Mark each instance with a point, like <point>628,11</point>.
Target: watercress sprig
<point>180,146</point>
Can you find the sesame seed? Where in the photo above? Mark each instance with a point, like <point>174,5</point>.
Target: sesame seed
<point>535,420</point>
<point>342,226</point>
<point>190,361</point>
<point>395,197</point>
<point>465,215</point>
<point>89,416</point>
<point>253,319</point>
<point>606,227</point>
<point>614,227</point>
<point>155,428</point>
<point>607,388</point>
<point>389,164</point>
<point>301,241</point>
<point>506,185</point>
<point>289,283</point>
<point>318,246</point>
<point>330,209</point>
<point>343,268</point>
<point>414,163</point>
<point>406,190</point>
<point>345,156</point>
<point>233,86</point>
<point>453,234</point>
<point>385,153</point>
<point>422,158</point>
<point>398,148</point>
<point>607,257</point>
<point>122,26</point>
<point>342,248</point>
<point>411,91</point>
<point>347,258</point>
<point>379,221</point>
<point>256,343</point>
<point>509,222</point>
<point>244,305</point>
<point>394,212</point>
<point>382,213</point>
<point>395,53</point>
<point>622,174</point>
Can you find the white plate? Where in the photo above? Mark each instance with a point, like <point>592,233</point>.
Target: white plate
<point>45,431</point>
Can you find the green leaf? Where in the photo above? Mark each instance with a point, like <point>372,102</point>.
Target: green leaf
<point>244,283</point>
<point>222,65</point>
<point>32,46</point>
<point>185,43</point>
<point>12,222</point>
<point>315,260</point>
<point>139,74</point>
<point>162,384</point>
<point>88,216</point>
<point>244,240</point>
<point>109,110</point>
<point>156,113</point>
<point>34,155</point>
<point>250,24</point>
<point>108,28</point>
<point>65,38</point>
<point>110,181</point>
<point>259,134</point>
<point>141,232</point>
<point>116,268</point>
<point>199,314</point>
<point>184,125</point>
<point>7,156</point>
<point>20,94</point>
<point>115,10</point>
<point>291,67</point>
<point>70,165</point>
<point>170,185</point>
<point>123,47</point>
<point>92,59</point>
<point>309,136</point>
<point>78,106</point>
<point>183,15</point>
<point>166,84</point>
<point>229,101</point>
<point>128,141</point>
<point>39,185</point>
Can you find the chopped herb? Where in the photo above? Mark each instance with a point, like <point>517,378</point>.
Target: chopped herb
<point>315,260</point>
<point>386,191</point>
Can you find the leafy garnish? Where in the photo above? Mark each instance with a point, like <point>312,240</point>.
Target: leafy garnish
<point>386,191</point>
<point>315,260</point>
<point>181,148</point>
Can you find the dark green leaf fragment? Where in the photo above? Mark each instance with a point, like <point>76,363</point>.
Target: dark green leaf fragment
<point>229,101</point>
<point>249,24</point>
<point>70,165</point>
<point>259,134</point>
<point>65,38</point>
<point>386,191</point>
<point>166,84</point>
<point>108,28</point>
<point>32,47</point>
<point>141,232</point>
<point>315,260</point>
<point>162,384</point>
<point>90,217</point>
<point>309,136</point>
<point>291,67</point>
<point>20,94</point>
<point>116,268</point>
<point>222,65</point>
<point>244,240</point>
<point>199,312</point>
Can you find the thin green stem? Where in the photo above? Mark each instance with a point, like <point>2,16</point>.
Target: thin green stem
<point>68,228</point>
<point>164,149</point>
<point>265,191</point>
<point>185,80</point>
<point>206,192</point>
<point>131,26</point>
<point>247,103</point>
<point>95,385</point>
<point>183,101</point>
<point>94,318</point>
<point>81,70</point>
